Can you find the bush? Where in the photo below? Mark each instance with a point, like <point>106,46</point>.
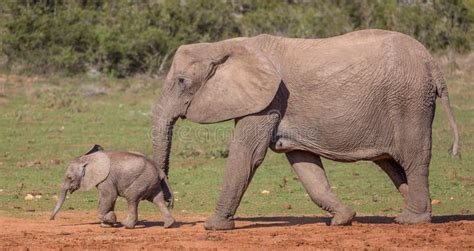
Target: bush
<point>121,38</point>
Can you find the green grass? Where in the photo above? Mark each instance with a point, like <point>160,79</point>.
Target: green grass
<point>50,119</point>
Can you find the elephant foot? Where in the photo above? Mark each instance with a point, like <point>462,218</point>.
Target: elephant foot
<point>343,217</point>
<point>110,218</point>
<point>408,217</point>
<point>216,222</point>
<point>129,223</point>
<point>106,225</point>
<point>169,222</point>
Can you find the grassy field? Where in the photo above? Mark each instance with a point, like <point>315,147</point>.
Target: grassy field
<point>44,123</point>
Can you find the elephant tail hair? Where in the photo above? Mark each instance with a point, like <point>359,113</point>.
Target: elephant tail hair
<point>442,92</point>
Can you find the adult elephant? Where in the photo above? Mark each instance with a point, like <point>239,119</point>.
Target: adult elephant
<point>365,95</point>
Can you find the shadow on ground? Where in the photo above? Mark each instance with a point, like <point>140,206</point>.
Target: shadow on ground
<point>285,221</point>
<point>140,224</point>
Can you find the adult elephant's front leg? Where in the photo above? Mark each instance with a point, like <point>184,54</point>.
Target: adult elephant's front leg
<point>252,137</point>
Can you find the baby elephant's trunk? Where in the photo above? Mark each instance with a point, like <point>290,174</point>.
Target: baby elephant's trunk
<point>62,198</point>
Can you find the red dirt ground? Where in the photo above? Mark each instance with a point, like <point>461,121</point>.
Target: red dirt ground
<point>78,230</point>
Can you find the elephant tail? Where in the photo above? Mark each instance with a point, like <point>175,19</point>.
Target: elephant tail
<point>442,92</point>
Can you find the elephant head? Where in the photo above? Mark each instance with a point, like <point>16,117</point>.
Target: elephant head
<point>84,173</point>
<point>209,83</point>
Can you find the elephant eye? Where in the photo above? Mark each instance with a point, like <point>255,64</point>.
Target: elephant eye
<point>181,81</point>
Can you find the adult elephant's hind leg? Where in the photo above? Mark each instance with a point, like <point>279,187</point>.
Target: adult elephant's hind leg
<point>310,171</point>
<point>418,207</point>
<point>414,155</point>
<point>252,137</point>
<point>396,173</point>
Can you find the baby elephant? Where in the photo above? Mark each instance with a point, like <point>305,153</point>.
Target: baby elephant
<point>127,174</point>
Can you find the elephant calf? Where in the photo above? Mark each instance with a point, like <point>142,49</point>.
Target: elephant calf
<point>127,174</point>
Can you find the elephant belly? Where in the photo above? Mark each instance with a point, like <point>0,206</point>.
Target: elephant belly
<point>334,146</point>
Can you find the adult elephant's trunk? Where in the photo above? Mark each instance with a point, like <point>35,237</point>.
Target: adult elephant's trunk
<point>62,198</point>
<point>162,135</point>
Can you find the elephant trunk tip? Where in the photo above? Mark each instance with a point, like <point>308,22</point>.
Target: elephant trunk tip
<point>60,202</point>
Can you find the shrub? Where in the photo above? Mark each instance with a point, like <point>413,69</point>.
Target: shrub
<point>121,38</point>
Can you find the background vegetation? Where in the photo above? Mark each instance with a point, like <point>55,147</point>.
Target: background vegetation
<point>125,37</point>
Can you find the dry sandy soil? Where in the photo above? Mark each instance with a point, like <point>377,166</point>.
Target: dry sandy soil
<point>78,230</point>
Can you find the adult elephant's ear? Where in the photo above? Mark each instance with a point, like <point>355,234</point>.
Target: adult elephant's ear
<point>96,168</point>
<point>239,82</point>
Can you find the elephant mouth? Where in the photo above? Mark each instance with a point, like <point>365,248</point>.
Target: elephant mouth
<point>72,189</point>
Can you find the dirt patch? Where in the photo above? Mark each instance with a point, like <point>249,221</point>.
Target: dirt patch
<point>81,230</point>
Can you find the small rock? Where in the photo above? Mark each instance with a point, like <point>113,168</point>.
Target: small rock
<point>29,197</point>
<point>286,205</point>
<point>38,196</point>
<point>1,190</point>
<point>33,163</point>
<point>34,193</point>
<point>452,198</point>
<point>55,162</point>
<point>266,192</point>
<point>435,202</point>
<point>55,198</point>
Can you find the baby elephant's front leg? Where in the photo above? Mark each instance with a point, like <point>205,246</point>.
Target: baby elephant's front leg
<point>160,202</point>
<point>105,211</point>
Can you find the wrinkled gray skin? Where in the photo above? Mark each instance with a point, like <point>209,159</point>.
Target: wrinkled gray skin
<point>366,95</point>
<point>127,174</point>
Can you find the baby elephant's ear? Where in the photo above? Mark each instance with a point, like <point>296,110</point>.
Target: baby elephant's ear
<point>96,169</point>
<point>94,149</point>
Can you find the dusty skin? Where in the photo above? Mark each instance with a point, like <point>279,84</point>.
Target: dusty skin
<point>81,230</point>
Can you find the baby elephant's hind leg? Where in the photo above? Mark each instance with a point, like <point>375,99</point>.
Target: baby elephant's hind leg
<point>132,216</point>
<point>159,201</point>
